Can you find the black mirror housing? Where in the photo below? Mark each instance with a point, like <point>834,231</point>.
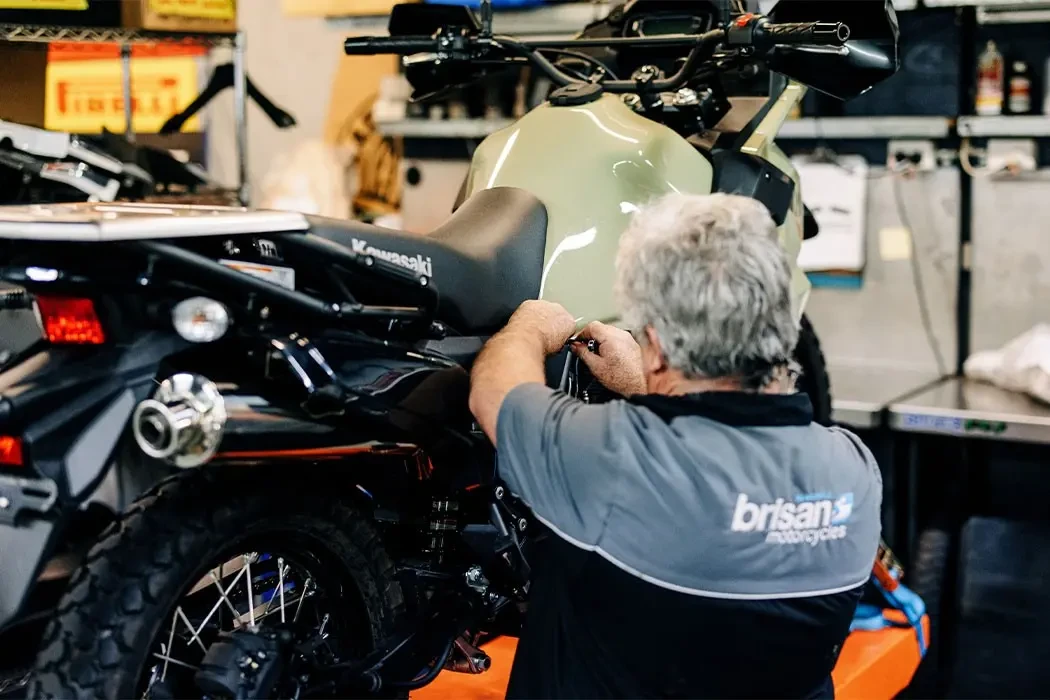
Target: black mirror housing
<point>870,56</point>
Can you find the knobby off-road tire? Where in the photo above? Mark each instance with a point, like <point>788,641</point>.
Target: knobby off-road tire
<point>814,380</point>
<point>98,644</point>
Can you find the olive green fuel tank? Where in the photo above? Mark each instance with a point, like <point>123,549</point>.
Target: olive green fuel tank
<point>592,166</point>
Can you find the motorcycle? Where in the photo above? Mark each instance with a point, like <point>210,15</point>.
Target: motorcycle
<point>242,451</point>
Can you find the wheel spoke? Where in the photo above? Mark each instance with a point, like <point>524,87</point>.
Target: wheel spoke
<point>282,571</point>
<point>263,615</point>
<point>281,568</point>
<point>165,649</point>
<point>302,597</point>
<point>251,597</point>
<point>219,602</point>
<point>189,626</point>
<point>168,659</point>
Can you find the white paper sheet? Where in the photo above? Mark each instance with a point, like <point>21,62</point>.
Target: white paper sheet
<point>837,194</point>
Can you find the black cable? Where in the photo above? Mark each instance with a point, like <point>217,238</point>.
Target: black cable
<point>429,674</point>
<point>590,60</point>
<point>916,272</point>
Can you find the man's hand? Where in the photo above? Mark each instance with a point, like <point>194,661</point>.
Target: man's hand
<point>547,321</point>
<point>618,362</point>
<point>516,355</point>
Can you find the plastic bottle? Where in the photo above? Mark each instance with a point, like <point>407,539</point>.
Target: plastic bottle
<point>1019,99</point>
<point>990,81</point>
<point>1046,88</point>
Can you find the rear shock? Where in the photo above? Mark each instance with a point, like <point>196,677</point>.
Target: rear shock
<point>444,520</point>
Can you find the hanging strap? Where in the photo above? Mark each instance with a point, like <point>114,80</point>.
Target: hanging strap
<point>885,577</point>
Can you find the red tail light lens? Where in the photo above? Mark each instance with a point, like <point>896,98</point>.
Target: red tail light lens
<point>10,451</point>
<point>70,321</point>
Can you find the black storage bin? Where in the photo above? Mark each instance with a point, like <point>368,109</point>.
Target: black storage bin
<point>1001,643</point>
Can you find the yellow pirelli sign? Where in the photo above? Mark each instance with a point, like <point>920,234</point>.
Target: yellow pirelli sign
<point>198,9</point>
<point>86,97</point>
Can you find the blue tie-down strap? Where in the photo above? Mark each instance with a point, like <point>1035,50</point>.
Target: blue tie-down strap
<point>872,617</point>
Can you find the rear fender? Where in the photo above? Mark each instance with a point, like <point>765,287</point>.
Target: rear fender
<point>71,407</point>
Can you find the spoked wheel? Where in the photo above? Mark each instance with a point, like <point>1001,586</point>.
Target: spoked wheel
<point>287,600</point>
<point>205,587</point>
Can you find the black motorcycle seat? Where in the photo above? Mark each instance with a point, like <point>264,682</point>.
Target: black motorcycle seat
<point>484,261</point>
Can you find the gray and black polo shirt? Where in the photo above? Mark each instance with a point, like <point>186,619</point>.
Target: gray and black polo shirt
<point>710,545</point>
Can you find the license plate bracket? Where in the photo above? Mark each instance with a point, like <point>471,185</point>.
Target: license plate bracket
<point>18,495</point>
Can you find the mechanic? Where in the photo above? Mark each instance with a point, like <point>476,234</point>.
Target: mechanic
<point>709,539</point>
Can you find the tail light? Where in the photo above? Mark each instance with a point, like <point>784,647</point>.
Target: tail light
<point>10,451</point>
<point>70,321</point>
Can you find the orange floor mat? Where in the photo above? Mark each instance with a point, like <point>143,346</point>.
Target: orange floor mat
<point>873,665</point>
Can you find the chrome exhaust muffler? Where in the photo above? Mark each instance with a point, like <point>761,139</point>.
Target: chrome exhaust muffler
<point>183,423</point>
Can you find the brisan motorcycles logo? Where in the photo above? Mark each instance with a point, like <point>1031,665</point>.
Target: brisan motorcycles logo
<point>810,519</point>
<point>416,263</point>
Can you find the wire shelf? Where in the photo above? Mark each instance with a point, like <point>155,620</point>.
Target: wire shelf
<point>45,34</point>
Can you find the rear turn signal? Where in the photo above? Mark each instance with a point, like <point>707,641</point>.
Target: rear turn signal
<point>70,321</point>
<point>10,451</point>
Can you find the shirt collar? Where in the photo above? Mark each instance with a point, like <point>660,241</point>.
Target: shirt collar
<point>735,408</point>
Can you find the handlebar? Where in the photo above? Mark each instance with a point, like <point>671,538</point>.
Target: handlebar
<point>752,32</point>
<point>403,45</point>
<point>769,34</point>
<point>407,45</point>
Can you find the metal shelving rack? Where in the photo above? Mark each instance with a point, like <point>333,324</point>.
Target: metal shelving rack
<point>817,128</point>
<point>1007,126</point>
<point>126,38</point>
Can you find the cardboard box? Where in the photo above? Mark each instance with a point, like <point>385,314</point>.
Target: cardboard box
<point>197,16</point>
<point>85,97</point>
<point>23,83</point>
<point>339,8</point>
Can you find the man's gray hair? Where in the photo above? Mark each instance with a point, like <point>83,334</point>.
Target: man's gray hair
<point>710,277</point>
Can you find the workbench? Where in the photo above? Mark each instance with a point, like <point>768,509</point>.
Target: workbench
<point>966,408</point>
<point>860,399</point>
<point>861,395</point>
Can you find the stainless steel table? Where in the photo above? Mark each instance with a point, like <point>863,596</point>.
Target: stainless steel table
<point>860,395</point>
<point>966,408</point>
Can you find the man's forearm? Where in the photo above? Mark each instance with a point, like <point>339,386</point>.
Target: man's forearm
<point>512,357</point>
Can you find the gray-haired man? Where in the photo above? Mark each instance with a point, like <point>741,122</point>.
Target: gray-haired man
<point>709,539</point>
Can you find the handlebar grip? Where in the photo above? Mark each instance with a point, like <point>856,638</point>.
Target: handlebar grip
<point>375,45</point>
<point>791,33</point>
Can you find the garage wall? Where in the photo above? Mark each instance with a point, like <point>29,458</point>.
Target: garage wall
<point>879,325</point>
<point>1011,255</point>
<point>293,61</point>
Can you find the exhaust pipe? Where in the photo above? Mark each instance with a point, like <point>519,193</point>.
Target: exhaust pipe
<point>183,423</point>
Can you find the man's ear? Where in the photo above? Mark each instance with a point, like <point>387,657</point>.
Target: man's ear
<point>653,355</point>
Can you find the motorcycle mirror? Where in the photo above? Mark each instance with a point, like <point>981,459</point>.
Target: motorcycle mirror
<point>429,78</point>
<point>486,17</point>
<point>869,57</point>
<point>414,19</point>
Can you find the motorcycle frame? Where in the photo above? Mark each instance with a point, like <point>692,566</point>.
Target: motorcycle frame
<point>347,429</point>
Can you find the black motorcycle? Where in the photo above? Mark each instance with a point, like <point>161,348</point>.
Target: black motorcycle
<point>240,457</point>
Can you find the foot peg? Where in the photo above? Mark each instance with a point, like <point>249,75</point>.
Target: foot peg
<point>467,658</point>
